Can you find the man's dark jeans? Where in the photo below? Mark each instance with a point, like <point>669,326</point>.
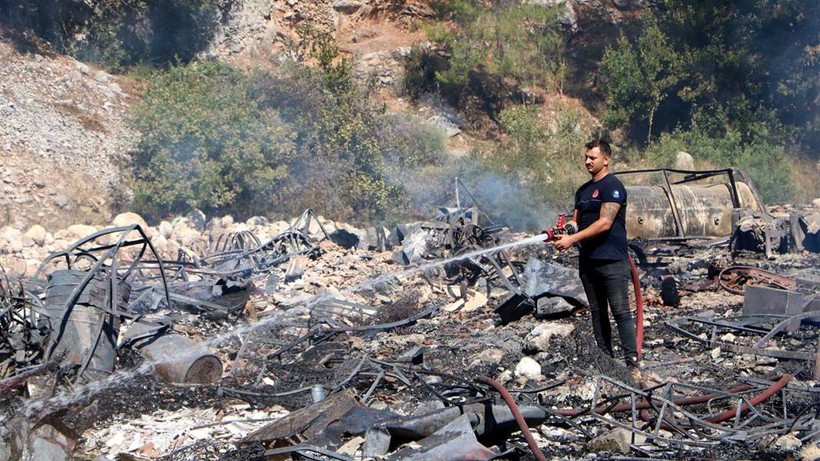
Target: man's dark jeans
<point>606,284</point>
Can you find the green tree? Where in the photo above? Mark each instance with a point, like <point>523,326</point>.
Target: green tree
<point>351,156</point>
<point>544,158</point>
<point>756,60</point>
<point>639,77</point>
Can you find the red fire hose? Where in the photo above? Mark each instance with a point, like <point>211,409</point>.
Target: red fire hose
<point>644,404</point>
<point>731,413</point>
<point>636,284</point>
<point>525,430</point>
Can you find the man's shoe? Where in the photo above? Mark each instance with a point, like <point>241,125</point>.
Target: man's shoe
<point>634,366</point>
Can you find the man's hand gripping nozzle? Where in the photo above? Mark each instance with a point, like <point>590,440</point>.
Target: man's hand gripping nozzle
<point>563,227</point>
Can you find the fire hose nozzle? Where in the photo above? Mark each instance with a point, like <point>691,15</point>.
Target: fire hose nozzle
<point>562,228</point>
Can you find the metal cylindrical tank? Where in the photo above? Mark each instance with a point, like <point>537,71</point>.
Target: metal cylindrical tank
<point>88,327</point>
<point>176,358</point>
<point>703,210</point>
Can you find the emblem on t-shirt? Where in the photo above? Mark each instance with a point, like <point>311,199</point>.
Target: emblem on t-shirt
<point>616,194</point>
<point>595,193</point>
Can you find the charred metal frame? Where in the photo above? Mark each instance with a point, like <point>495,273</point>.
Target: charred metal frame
<point>458,232</point>
<point>656,408</point>
<point>692,176</point>
<point>103,261</point>
<point>24,329</point>
<point>745,324</point>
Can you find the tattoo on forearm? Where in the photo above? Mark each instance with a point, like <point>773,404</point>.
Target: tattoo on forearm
<point>609,210</point>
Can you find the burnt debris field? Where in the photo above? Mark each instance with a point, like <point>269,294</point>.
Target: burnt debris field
<point>452,338</point>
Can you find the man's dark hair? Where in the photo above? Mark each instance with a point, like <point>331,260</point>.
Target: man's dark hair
<point>600,144</point>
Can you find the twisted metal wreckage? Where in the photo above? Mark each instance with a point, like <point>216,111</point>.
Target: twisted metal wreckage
<point>61,328</point>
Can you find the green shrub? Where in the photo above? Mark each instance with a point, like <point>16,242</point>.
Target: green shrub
<point>764,162</point>
<point>757,62</point>
<point>350,155</point>
<point>206,143</point>
<point>546,159</point>
<point>638,78</point>
<point>490,52</point>
<point>408,143</point>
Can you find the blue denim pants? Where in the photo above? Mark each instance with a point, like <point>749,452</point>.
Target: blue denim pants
<point>606,286</point>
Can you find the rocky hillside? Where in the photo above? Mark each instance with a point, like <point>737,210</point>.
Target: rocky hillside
<point>64,134</point>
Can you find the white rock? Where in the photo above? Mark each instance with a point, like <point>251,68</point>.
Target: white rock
<point>788,442</point>
<point>505,376</point>
<point>127,219</point>
<point>37,233</point>
<point>715,353</point>
<point>454,306</point>
<point>101,76</point>
<point>255,222</point>
<point>614,441</point>
<point>61,201</point>
<point>684,161</point>
<point>539,338</point>
<point>810,452</point>
<point>529,369</point>
<point>165,229</point>
<point>188,237</point>
<point>477,300</point>
<point>78,231</point>
<point>160,244</point>
<point>277,228</point>
<point>491,356</point>
<point>13,238</point>
<point>449,127</point>
<point>728,337</point>
<point>330,225</point>
<point>59,244</point>
<point>9,233</point>
<point>347,6</point>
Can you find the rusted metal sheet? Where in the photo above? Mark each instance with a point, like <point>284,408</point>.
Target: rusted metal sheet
<point>765,300</point>
<point>734,279</point>
<point>307,421</point>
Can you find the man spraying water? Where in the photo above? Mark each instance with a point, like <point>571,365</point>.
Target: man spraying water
<point>600,217</point>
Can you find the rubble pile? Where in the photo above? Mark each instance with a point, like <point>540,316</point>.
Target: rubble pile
<point>443,339</point>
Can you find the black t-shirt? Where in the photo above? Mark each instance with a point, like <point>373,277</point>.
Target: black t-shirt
<point>610,246</point>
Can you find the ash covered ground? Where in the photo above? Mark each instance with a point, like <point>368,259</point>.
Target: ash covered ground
<point>359,353</point>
